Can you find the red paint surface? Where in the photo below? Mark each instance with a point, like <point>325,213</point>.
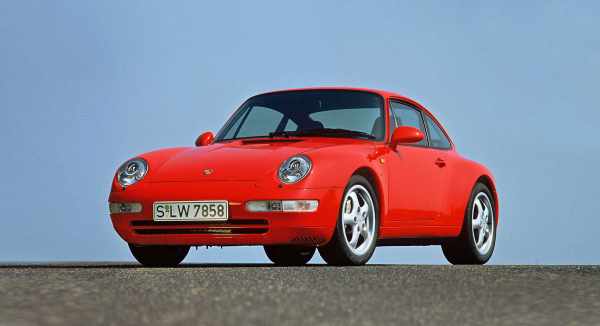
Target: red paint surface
<point>423,192</point>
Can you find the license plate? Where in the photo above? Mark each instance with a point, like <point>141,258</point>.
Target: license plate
<point>216,210</point>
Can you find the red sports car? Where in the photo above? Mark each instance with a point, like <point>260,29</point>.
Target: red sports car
<point>341,170</point>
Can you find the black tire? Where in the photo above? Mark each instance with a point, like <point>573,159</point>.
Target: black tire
<point>289,255</point>
<point>159,256</point>
<point>336,251</point>
<point>463,249</point>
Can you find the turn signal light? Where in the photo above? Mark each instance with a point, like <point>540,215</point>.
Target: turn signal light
<point>282,205</point>
<point>124,208</point>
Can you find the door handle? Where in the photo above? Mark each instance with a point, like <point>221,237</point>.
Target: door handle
<point>439,162</point>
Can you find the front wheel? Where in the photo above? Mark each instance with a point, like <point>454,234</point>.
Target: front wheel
<point>357,228</point>
<point>159,256</point>
<point>289,255</point>
<point>477,240</point>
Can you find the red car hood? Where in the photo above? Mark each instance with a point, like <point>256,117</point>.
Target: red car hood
<point>236,161</point>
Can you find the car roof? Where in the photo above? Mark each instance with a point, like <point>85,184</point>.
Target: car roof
<point>383,93</point>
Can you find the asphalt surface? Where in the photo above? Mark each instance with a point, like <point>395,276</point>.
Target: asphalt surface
<point>91,294</point>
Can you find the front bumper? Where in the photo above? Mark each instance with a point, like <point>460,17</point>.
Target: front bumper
<point>242,228</point>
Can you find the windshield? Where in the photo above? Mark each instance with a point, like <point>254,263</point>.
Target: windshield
<point>328,113</point>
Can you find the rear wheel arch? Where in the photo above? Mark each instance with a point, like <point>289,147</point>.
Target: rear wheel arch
<point>467,248</point>
<point>487,180</point>
<point>462,195</point>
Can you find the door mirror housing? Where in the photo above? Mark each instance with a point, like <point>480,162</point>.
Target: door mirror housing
<point>406,135</point>
<point>205,139</point>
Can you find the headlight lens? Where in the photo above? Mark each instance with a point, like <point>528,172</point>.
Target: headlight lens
<point>294,169</point>
<point>132,171</point>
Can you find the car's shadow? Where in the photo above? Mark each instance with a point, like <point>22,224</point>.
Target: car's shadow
<point>112,265</point>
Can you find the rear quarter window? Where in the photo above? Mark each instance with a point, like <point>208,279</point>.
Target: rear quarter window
<point>437,138</point>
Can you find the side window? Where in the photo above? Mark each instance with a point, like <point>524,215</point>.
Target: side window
<point>290,126</point>
<point>260,121</point>
<point>233,129</point>
<point>406,115</point>
<point>437,138</point>
<point>393,124</point>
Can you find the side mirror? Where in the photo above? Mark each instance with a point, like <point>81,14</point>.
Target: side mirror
<point>406,135</point>
<point>205,139</point>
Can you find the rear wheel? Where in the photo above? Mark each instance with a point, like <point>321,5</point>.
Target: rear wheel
<point>477,240</point>
<point>289,255</point>
<point>357,228</point>
<point>159,256</point>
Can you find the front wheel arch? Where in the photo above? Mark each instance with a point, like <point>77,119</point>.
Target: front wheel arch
<point>337,251</point>
<point>380,194</point>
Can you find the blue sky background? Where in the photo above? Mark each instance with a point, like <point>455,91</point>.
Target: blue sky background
<point>84,85</point>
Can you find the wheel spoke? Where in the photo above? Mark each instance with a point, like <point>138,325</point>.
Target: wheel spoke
<point>481,237</point>
<point>355,233</point>
<point>479,208</point>
<point>478,219</point>
<point>355,204</point>
<point>364,231</point>
<point>477,224</point>
<point>364,209</point>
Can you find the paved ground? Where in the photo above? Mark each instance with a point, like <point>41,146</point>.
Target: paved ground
<point>89,294</point>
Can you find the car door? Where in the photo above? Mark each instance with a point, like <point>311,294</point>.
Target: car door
<point>415,173</point>
<point>440,146</point>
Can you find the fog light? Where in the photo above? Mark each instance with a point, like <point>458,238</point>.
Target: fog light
<point>124,208</point>
<point>299,205</point>
<point>282,205</point>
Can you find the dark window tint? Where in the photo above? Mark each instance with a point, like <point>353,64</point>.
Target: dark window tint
<point>290,126</point>
<point>392,123</point>
<point>309,113</point>
<point>437,138</point>
<point>259,120</point>
<point>365,120</point>
<point>406,115</point>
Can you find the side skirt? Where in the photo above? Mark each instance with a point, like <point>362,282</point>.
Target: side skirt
<point>411,242</point>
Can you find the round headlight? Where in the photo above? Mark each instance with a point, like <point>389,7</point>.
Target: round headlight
<point>294,169</point>
<point>132,171</point>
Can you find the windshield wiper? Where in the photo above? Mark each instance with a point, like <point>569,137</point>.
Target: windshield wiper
<point>323,132</point>
<point>341,132</point>
<point>281,133</point>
